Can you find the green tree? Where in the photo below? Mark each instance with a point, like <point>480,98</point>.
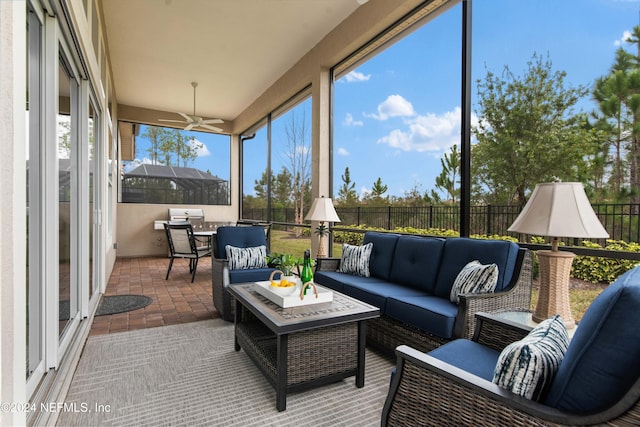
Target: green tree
<point>376,196</point>
<point>347,195</point>
<point>449,179</point>
<point>527,133</point>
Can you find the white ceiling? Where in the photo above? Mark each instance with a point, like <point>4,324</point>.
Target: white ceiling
<point>233,49</point>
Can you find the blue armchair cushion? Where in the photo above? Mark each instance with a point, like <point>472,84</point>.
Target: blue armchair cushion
<point>240,237</point>
<point>474,278</point>
<point>416,262</point>
<point>243,258</point>
<point>602,361</point>
<point>355,259</point>
<point>250,275</point>
<point>527,367</point>
<point>384,248</point>
<point>469,356</point>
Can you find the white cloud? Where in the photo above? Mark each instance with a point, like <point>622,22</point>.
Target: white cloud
<point>342,151</point>
<point>429,132</point>
<point>623,40</point>
<point>356,76</point>
<point>364,191</point>
<point>201,148</point>
<point>393,106</point>
<point>350,121</point>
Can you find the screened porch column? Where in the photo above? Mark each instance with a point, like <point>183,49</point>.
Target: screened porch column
<point>321,149</point>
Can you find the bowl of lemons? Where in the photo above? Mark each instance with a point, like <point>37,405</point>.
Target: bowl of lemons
<point>283,287</point>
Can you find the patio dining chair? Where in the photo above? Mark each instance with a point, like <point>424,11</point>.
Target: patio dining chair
<point>183,244</point>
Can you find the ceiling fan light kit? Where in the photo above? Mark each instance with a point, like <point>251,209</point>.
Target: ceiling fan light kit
<point>193,121</point>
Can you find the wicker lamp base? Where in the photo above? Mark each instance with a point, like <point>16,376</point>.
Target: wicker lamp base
<point>555,267</point>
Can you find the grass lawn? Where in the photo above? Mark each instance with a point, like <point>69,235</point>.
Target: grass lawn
<point>581,293</point>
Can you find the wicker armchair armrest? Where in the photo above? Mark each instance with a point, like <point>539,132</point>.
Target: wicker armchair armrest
<point>327,264</point>
<point>222,300</point>
<point>428,392</point>
<point>516,296</point>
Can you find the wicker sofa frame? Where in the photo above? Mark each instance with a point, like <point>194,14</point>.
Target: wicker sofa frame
<point>386,333</point>
<point>429,392</point>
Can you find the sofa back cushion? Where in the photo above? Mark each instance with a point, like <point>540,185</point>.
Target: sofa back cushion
<point>459,251</point>
<point>416,262</point>
<point>602,361</point>
<point>239,237</point>
<point>384,247</point>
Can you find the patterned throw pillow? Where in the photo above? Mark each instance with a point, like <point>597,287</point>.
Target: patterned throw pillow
<point>474,278</point>
<point>355,259</point>
<point>244,258</point>
<point>527,367</point>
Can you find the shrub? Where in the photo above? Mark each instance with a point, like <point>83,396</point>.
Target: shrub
<point>603,270</point>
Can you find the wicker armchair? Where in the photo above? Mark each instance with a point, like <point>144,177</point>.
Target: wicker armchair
<point>597,383</point>
<point>222,276</point>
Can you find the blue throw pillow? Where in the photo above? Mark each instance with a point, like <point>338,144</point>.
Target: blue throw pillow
<point>474,278</point>
<point>527,367</point>
<point>355,259</point>
<point>245,258</point>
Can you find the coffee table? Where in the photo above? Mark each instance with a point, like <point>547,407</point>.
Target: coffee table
<point>298,348</point>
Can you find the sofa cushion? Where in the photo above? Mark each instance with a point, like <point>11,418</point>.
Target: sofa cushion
<point>474,278</point>
<point>460,251</point>
<point>330,279</point>
<point>240,237</point>
<point>241,258</point>
<point>432,314</point>
<point>601,363</point>
<point>384,246</point>
<point>250,275</point>
<point>376,291</point>
<point>527,367</point>
<point>469,356</point>
<point>416,262</point>
<point>355,259</point>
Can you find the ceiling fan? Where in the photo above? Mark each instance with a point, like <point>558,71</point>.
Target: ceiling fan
<point>193,121</point>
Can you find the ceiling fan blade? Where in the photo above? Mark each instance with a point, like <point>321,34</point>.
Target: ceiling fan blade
<point>188,118</point>
<point>190,126</point>
<point>213,128</point>
<point>171,121</point>
<point>210,121</point>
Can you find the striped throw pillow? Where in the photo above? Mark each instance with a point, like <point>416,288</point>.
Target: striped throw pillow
<point>244,258</point>
<point>474,278</point>
<point>355,259</point>
<point>527,367</point>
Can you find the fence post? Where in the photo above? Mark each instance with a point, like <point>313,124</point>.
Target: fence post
<point>489,219</point>
<point>430,216</point>
<point>388,217</point>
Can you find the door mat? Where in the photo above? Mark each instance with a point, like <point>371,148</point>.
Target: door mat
<point>121,303</point>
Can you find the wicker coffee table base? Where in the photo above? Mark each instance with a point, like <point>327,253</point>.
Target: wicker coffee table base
<point>302,360</point>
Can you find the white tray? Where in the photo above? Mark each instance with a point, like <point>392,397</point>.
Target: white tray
<point>293,300</point>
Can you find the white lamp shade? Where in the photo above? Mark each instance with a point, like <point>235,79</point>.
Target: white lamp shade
<point>559,209</point>
<point>322,210</point>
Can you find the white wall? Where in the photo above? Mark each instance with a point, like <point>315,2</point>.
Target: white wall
<point>12,209</point>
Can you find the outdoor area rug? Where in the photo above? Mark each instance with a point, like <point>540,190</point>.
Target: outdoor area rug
<point>189,374</point>
<point>121,303</point>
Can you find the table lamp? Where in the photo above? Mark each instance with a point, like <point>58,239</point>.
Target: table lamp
<point>557,209</point>
<point>322,210</point>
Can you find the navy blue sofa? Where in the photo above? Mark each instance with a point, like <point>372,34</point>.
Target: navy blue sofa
<point>410,281</point>
<point>597,381</point>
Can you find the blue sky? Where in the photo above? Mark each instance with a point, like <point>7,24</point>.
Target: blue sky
<point>398,113</point>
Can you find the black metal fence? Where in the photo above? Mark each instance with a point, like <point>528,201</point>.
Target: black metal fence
<point>622,221</point>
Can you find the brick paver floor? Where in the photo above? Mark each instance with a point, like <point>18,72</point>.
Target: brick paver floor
<point>176,300</point>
